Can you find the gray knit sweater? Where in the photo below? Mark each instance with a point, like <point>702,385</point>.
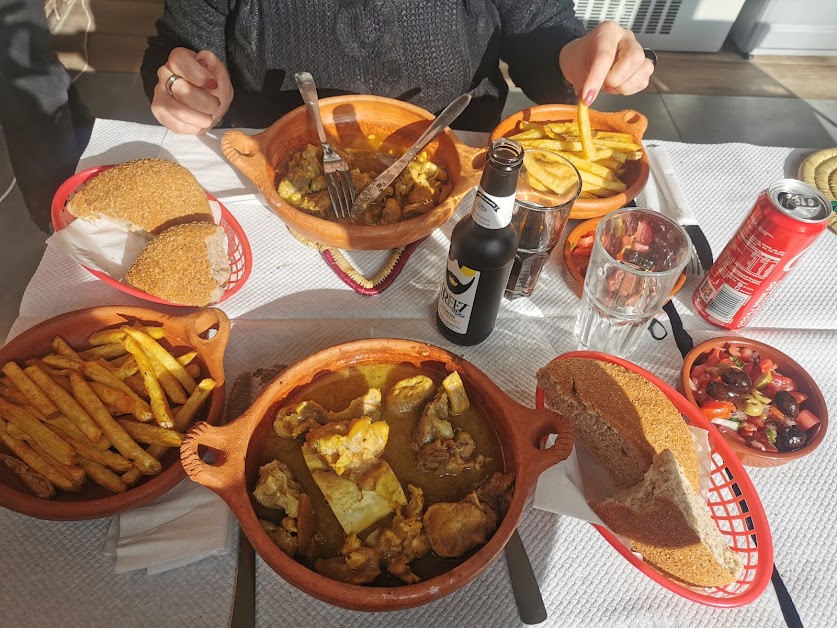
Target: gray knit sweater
<point>426,52</point>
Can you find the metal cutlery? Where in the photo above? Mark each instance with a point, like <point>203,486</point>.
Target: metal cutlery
<point>527,593</point>
<point>674,205</point>
<point>372,191</point>
<point>341,187</point>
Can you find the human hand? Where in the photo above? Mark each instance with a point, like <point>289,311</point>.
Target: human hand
<point>197,100</point>
<point>607,58</point>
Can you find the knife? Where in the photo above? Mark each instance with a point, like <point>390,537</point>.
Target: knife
<point>372,191</point>
<point>674,204</point>
<point>527,593</point>
<point>244,600</point>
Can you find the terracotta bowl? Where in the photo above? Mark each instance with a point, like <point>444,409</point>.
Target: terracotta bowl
<point>183,334</point>
<point>815,403</point>
<point>576,279</point>
<point>349,121</point>
<point>628,121</point>
<point>239,446</point>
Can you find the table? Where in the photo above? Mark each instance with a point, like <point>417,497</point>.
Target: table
<point>293,306</point>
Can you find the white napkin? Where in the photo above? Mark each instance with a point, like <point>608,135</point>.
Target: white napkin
<point>183,526</point>
<point>663,193</point>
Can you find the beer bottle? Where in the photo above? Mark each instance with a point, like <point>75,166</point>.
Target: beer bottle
<point>482,249</point>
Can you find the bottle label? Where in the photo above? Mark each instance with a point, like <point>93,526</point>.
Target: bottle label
<point>456,299</point>
<point>492,212</point>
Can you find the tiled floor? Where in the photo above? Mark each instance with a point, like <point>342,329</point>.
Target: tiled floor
<point>770,101</point>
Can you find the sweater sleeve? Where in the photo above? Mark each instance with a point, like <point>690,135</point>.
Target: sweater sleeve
<point>533,34</point>
<point>193,24</point>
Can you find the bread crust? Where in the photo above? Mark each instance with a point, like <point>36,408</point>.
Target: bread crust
<point>635,417</point>
<point>145,195</point>
<point>181,265</point>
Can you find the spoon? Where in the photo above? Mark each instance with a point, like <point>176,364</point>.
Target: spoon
<point>372,191</point>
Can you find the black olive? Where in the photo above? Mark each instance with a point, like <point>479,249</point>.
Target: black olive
<point>738,380</point>
<point>791,438</point>
<point>786,403</point>
<point>717,390</point>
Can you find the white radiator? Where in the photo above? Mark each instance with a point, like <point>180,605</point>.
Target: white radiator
<point>686,25</point>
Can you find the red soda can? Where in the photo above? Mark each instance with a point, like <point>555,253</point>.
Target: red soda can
<point>787,217</point>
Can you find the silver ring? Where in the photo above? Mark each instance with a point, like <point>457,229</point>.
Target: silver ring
<point>170,83</point>
<point>650,55</point>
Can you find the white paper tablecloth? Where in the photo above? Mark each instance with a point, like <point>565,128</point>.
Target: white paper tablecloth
<point>293,306</point>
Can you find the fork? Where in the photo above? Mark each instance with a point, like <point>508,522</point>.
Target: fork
<point>341,187</point>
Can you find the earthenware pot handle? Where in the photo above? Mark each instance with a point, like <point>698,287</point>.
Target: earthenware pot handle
<point>472,161</point>
<point>632,121</point>
<point>244,152</point>
<point>535,426</point>
<point>210,345</point>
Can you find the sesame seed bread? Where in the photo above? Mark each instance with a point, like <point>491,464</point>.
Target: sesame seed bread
<point>145,196</point>
<point>186,264</point>
<point>671,526</point>
<point>619,416</point>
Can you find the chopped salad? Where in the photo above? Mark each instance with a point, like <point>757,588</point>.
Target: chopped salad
<point>749,400</point>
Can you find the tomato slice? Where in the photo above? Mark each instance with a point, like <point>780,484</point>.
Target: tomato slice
<point>714,357</point>
<point>644,233</point>
<point>800,397</point>
<point>806,420</point>
<point>730,433</point>
<point>716,409</point>
<point>779,382</point>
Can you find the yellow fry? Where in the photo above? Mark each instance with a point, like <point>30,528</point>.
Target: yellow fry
<point>19,399</point>
<point>136,383</point>
<point>104,457</point>
<point>563,127</point>
<point>186,414</point>
<point>36,483</point>
<point>108,352</point>
<point>187,358</point>
<point>103,476</point>
<point>74,473</point>
<point>587,195</point>
<point>589,166</point>
<point>549,176</point>
<point>531,134</point>
<point>68,427</point>
<point>593,181</point>
<point>58,362</point>
<point>194,370</point>
<point>124,369</point>
<point>601,192</point>
<point>609,163</point>
<point>113,336</point>
<point>27,422</point>
<point>60,346</point>
<point>98,373</point>
<point>556,145</point>
<point>155,349</point>
<point>628,147</point>
<point>30,390</point>
<point>588,149</point>
<point>116,401</point>
<point>155,451</point>
<point>152,434</point>
<point>110,428</point>
<point>65,402</point>
<point>613,135</point>
<point>536,183</point>
<point>603,153</point>
<point>159,404</point>
<point>28,455</point>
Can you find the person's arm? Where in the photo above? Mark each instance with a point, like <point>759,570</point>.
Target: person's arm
<point>533,34</point>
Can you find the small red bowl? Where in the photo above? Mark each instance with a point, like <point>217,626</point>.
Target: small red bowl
<point>238,248</point>
<point>815,403</point>
<point>733,502</point>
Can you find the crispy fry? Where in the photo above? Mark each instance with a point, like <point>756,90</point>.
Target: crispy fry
<point>152,434</point>
<point>588,149</point>
<point>27,422</point>
<point>113,336</point>
<point>159,404</point>
<point>67,426</point>
<point>187,412</point>
<point>65,402</point>
<point>609,163</point>
<point>74,473</point>
<point>613,135</point>
<point>563,127</point>
<point>97,373</point>
<point>593,181</point>
<point>37,483</point>
<point>58,362</point>
<point>103,476</point>
<point>136,383</point>
<point>30,390</point>
<point>18,398</point>
<point>60,346</point>
<point>108,352</point>
<point>23,451</point>
<point>110,428</point>
<point>589,166</point>
<point>530,134</point>
<point>194,370</point>
<point>157,352</point>
<point>547,175</point>
<point>125,368</point>
<point>628,147</point>
<point>556,145</point>
<point>117,401</point>
<point>103,457</point>
<point>187,358</point>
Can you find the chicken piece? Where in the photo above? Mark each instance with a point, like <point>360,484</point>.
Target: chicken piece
<point>349,446</point>
<point>391,212</point>
<point>404,540</point>
<point>457,397</point>
<point>355,565</point>
<point>496,491</point>
<point>277,488</point>
<point>296,421</point>
<point>432,423</point>
<point>408,394</point>
<point>451,456</point>
<point>456,528</point>
<point>284,535</point>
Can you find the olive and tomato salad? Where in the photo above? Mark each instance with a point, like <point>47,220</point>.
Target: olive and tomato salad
<point>749,400</point>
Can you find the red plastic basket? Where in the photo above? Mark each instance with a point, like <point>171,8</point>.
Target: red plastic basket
<point>238,248</point>
<point>732,500</point>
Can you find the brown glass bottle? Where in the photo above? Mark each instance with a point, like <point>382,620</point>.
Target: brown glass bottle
<point>482,248</point>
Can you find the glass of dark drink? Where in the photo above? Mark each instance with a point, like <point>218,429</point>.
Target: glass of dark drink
<point>546,190</point>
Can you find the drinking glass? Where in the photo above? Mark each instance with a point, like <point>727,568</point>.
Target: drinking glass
<point>637,258</point>
<point>546,190</point>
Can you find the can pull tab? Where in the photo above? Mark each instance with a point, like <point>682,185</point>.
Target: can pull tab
<point>789,200</point>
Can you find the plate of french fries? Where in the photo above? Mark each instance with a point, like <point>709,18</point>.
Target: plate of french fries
<point>606,149</point>
<point>95,403</point>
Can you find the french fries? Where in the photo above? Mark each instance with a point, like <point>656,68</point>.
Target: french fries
<point>78,413</point>
<point>599,155</point>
